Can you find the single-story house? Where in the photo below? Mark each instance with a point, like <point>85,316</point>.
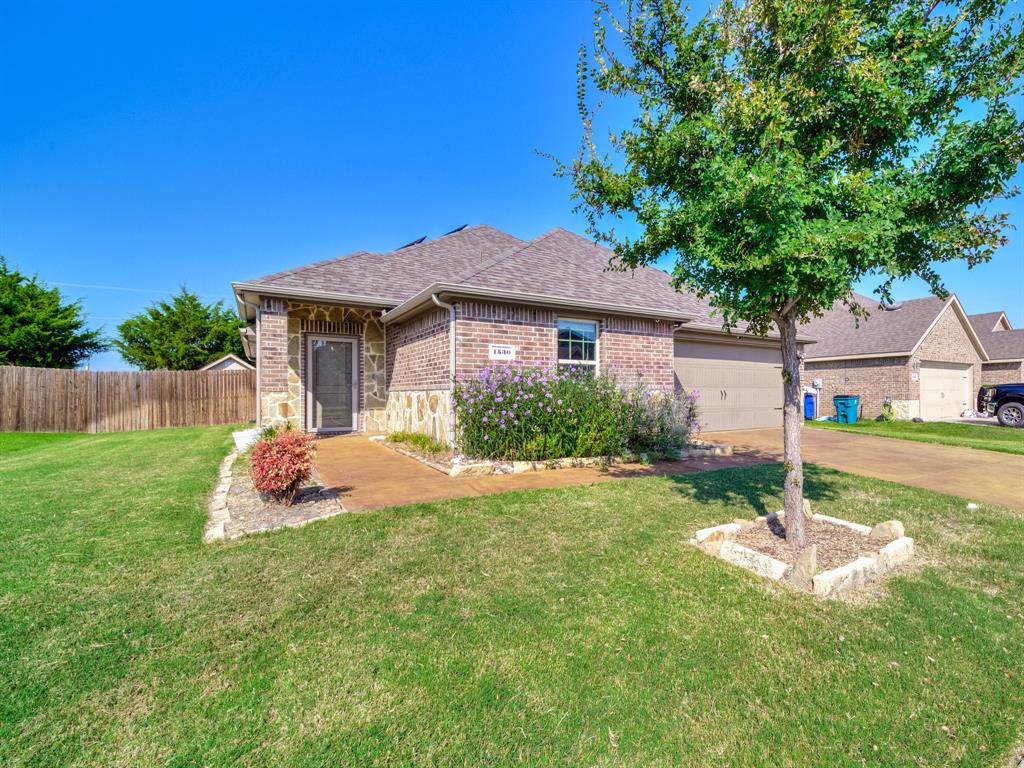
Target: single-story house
<point>924,356</point>
<point>1005,348</point>
<point>229,362</point>
<point>372,341</point>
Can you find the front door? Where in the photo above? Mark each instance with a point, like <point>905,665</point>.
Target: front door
<point>331,394</point>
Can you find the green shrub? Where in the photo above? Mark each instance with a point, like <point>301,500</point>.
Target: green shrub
<point>425,443</point>
<point>538,414</point>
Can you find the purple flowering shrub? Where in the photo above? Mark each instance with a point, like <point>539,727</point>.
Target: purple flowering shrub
<point>538,414</point>
<point>659,423</point>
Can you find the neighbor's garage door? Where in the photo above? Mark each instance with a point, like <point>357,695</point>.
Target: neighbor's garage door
<point>945,390</point>
<point>739,387</point>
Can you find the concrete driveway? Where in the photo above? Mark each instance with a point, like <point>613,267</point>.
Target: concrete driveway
<point>984,476</point>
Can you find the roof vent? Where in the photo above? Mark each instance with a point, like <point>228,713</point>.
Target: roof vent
<point>457,229</point>
<point>892,307</point>
<point>417,241</point>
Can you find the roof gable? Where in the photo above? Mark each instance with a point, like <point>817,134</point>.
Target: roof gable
<point>997,336</point>
<point>893,331</point>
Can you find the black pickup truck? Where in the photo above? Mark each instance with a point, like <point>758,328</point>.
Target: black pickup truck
<point>1005,401</point>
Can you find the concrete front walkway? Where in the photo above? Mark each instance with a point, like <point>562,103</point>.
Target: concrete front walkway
<point>369,475</point>
<point>984,476</point>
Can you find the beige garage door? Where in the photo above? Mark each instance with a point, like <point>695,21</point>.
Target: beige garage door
<point>945,389</point>
<point>739,387</point>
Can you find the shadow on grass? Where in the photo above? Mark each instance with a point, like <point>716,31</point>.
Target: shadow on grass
<point>759,486</point>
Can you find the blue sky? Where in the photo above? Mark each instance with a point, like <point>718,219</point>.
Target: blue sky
<point>147,146</point>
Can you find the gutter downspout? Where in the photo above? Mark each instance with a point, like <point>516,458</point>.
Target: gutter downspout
<point>259,357</point>
<point>451,362</point>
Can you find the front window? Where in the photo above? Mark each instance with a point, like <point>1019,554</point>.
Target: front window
<point>577,344</point>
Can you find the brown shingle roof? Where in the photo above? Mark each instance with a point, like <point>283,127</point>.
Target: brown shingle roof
<point>395,275</point>
<point>894,331</point>
<point>999,344</point>
<point>985,322</point>
<point>557,265</point>
<point>561,263</point>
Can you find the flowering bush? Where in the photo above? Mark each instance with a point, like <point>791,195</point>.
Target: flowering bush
<point>538,414</point>
<point>659,423</point>
<point>282,463</point>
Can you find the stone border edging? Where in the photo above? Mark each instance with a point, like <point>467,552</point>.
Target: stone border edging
<point>218,505</point>
<point>869,567</point>
<point>482,468</point>
<point>220,511</point>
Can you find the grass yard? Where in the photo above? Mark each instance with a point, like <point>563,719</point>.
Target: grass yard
<point>986,438</point>
<point>562,627</point>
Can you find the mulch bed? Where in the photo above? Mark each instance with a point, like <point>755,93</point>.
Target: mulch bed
<point>837,545</point>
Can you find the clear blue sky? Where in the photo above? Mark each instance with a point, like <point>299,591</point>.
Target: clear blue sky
<point>147,146</point>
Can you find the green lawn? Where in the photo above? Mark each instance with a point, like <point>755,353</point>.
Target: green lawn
<point>988,438</point>
<point>561,627</point>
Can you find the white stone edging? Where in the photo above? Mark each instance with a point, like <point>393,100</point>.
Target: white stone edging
<point>462,466</point>
<point>218,505</point>
<point>870,566</point>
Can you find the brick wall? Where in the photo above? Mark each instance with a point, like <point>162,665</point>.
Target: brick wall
<point>948,342</point>
<point>631,348</point>
<point>638,350</point>
<point>530,330</point>
<point>272,361</point>
<point>1002,373</point>
<point>273,352</point>
<point>874,380</point>
<point>417,353</point>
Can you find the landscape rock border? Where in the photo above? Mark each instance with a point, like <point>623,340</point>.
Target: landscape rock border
<point>462,466</point>
<point>254,513</point>
<point>869,567</point>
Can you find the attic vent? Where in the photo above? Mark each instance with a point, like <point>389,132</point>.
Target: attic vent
<point>457,229</point>
<point>417,241</point>
<point>892,307</point>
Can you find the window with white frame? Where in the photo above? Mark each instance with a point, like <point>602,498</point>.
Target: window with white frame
<point>577,343</point>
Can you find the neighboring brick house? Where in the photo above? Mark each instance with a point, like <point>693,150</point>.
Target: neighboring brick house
<point>373,341</point>
<point>921,355</point>
<point>1005,348</point>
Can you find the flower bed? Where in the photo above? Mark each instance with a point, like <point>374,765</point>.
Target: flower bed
<point>543,415</point>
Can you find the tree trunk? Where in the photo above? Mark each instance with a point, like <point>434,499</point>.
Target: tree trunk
<point>792,423</point>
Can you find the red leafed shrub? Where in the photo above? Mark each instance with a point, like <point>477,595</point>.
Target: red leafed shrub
<point>282,463</point>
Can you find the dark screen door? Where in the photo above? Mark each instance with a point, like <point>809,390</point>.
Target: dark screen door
<point>331,384</point>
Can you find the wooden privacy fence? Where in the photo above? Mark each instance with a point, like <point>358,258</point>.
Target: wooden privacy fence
<point>55,400</point>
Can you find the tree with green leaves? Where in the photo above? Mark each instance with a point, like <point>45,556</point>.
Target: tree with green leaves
<point>182,334</point>
<point>38,328</point>
<point>783,150</point>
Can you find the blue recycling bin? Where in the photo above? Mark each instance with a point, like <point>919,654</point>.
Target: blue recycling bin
<point>847,407</point>
<point>809,406</point>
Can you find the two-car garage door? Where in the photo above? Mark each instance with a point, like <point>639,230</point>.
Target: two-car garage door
<point>739,387</point>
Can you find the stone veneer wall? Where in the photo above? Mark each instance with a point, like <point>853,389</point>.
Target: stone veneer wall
<point>283,327</point>
<point>426,411</point>
<point>878,378</point>
<point>1002,373</point>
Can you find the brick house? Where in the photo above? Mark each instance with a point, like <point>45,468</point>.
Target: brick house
<point>1005,348</point>
<point>373,341</point>
<point>922,355</point>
